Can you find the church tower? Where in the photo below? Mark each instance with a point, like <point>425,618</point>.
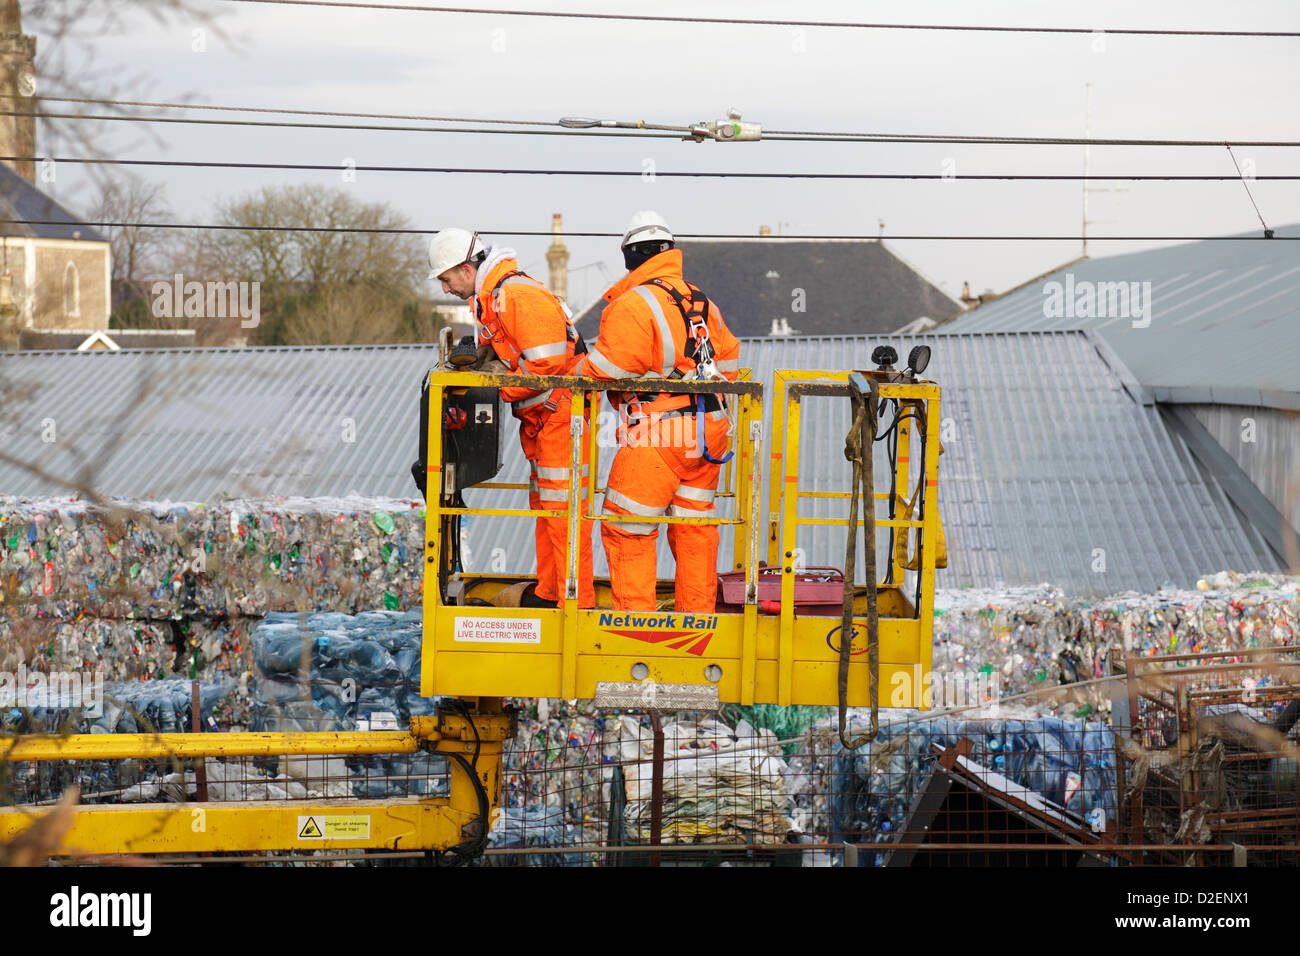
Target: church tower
<point>17,89</point>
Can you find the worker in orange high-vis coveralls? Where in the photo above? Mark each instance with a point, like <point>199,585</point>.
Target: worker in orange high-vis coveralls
<point>671,446</point>
<point>529,330</point>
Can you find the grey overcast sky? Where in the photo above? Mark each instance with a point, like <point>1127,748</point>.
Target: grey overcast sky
<point>813,79</point>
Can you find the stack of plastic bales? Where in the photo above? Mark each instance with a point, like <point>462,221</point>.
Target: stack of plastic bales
<point>149,589</point>
<point>145,559</point>
<point>344,666</point>
<point>1069,763</point>
<point>123,650</point>
<point>329,671</point>
<point>1020,640</point>
<point>157,706</point>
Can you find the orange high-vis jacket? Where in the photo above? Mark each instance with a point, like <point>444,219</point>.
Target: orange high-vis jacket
<point>643,334</point>
<point>529,330</point>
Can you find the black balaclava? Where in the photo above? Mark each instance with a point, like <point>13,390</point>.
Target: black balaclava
<point>637,254</point>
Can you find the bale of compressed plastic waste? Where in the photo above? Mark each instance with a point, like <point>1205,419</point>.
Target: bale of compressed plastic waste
<point>1070,764</point>
<point>67,558</point>
<point>332,671</point>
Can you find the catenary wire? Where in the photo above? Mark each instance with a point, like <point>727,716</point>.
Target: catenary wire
<point>735,21</point>
<point>677,174</point>
<point>776,136</point>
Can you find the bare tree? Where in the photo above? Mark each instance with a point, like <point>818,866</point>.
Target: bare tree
<point>318,286</point>
<point>140,254</point>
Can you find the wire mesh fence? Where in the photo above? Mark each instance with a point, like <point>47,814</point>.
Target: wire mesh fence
<point>1197,764</point>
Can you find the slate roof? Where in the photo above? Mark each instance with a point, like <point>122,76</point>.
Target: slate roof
<point>20,200</point>
<point>850,286</point>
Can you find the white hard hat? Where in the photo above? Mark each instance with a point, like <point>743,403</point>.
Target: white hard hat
<point>647,226</point>
<point>450,248</point>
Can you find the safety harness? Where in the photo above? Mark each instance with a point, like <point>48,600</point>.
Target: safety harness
<point>572,334</point>
<point>699,349</point>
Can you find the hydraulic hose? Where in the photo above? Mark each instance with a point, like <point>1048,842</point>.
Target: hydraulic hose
<point>858,449</point>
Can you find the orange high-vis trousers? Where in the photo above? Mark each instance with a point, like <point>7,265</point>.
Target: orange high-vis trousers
<point>659,470</point>
<point>548,489</point>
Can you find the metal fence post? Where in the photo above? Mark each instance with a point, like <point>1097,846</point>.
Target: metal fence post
<point>656,787</point>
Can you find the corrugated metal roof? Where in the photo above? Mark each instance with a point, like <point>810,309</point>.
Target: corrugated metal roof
<point>1224,318</point>
<point>1052,470</point>
<point>1051,467</point>
<point>196,424</point>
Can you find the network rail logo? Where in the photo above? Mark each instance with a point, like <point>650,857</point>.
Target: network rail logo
<point>689,632</point>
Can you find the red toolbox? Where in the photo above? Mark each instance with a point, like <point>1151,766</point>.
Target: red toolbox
<point>817,591</point>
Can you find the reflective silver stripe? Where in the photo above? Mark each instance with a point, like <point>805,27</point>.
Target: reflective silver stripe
<point>727,365</point>
<point>695,494</point>
<point>665,333</point>
<point>535,400</point>
<point>557,474</point>
<point>630,506</point>
<point>558,494</point>
<point>681,511</point>
<point>718,414</point>
<point>632,527</point>
<point>545,351</point>
<point>606,366</point>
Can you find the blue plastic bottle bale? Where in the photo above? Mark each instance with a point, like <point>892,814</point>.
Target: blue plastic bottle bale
<point>278,651</point>
<point>369,663</point>
<point>374,699</point>
<point>407,660</point>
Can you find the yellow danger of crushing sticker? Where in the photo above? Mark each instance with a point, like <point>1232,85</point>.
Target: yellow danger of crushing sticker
<point>334,828</point>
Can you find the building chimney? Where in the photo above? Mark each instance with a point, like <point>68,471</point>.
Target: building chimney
<point>764,230</point>
<point>968,300</point>
<point>17,86</point>
<point>557,257</point>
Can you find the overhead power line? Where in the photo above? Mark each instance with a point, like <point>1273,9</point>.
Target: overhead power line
<point>298,112</point>
<point>618,235</point>
<point>773,137</point>
<point>668,174</point>
<point>733,21</point>
<point>779,135</point>
<point>353,126</point>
